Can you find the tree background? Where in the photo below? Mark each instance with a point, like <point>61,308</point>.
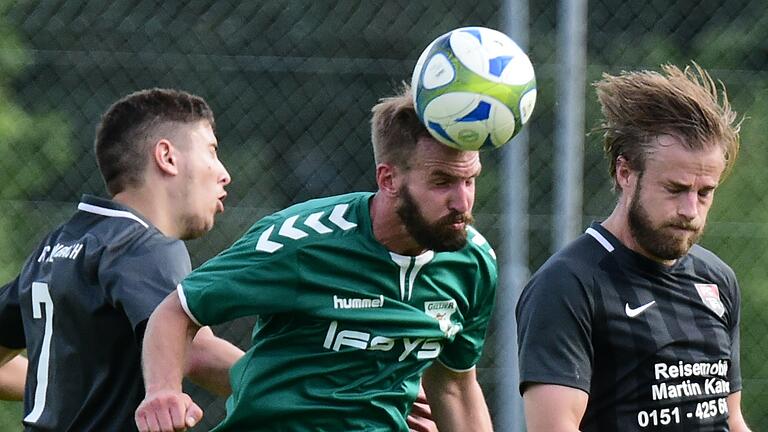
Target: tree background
<point>292,84</point>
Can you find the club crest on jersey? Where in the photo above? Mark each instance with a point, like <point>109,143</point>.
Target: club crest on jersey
<point>710,295</point>
<point>442,311</point>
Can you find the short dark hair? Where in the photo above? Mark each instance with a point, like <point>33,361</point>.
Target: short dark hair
<point>124,135</point>
<point>639,106</point>
<point>395,129</point>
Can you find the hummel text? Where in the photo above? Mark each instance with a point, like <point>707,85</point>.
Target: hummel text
<point>357,303</point>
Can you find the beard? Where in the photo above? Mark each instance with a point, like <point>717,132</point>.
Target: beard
<point>654,239</point>
<point>438,236</point>
<point>194,227</point>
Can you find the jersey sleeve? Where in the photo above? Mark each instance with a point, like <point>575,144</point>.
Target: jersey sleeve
<point>554,330</point>
<point>734,372</point>
<point>464,351</point>
<point>252,277</point>
<point>12,335</point>
<point>137,277</point>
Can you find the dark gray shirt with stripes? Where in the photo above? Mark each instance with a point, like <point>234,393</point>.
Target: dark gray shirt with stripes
<point>655,347</point>
<point>79,307</point>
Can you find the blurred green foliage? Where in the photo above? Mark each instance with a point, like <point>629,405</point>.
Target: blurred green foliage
<point>34,148</point>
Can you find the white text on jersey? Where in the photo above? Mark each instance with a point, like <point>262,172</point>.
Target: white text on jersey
<point>428,348</point>
<point>357,303</point>
<point>60,251</point>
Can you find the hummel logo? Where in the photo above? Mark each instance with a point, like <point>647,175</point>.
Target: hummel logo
<point>357,303</point>
<point>637,311</point>
<point>289,230</point>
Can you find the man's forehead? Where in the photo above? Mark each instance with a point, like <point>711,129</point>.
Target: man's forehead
<point>678,162</point>
<point>199,132</point>
<point>435,157</point>
<point>206,132</point>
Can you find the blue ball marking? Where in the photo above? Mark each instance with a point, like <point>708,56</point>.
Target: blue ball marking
<point>475,33</point>
<point>497,65</point>
<point>481,129</point>
<point>481,112</point>
<point>439,129</point>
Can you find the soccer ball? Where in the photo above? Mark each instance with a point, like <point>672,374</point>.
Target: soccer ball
<point>474,88</point>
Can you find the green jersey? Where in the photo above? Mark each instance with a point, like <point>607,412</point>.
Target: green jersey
<point>346,327</point>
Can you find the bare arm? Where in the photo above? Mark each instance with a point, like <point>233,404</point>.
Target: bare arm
<point>456,399</point>
<point>209,361</point>
<point>13,374</point>
<point>167,339</point>
<point>736,420</point>
<point>554,408</point>
<point>420,417</point>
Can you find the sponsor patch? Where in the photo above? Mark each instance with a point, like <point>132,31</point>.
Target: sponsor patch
<point>442,311</point>
<point>710,295</point>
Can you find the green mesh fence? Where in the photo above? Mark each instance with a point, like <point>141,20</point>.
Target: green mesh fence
<point>292,83</point>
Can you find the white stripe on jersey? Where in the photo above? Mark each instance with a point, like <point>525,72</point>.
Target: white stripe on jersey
<point>184,305</point>
<point>404,262</point>
<point>418,263</point>
<point>599,237</point>
<point>110,212</point>
<point>455,370</point>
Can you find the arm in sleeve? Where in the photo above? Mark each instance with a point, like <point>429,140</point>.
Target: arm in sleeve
<point>12,334</point>
<point>554,319</point>
<point>734,371</point>
<point>137,277</point>
<point>242,281</point>
<point>465,350</point>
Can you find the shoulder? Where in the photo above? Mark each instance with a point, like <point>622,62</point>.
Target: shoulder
<point>582,258</point>
<point>308,223</point>
<point>129,236</point>
<point>129,241</point>
<point>571,272</point>
<point>705,258</point>
<point>479,250</point>
<point>708,265</point>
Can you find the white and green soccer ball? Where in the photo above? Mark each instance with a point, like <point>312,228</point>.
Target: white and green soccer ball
<point>474,88</point>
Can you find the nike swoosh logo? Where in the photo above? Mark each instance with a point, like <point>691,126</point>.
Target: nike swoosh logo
<point>638,310</point>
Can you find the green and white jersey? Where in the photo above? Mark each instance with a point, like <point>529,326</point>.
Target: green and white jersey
<point>346,327</point>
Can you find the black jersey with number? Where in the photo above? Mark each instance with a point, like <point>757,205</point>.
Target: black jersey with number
<point>655,347</point>
<point>79,306</point>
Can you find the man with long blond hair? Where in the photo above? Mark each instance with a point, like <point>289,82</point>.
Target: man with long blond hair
<point>634,326</point>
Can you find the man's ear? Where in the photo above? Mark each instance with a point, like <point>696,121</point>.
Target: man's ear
<point>166,157</point>
<point>387,177</point>
<point>623,172</point>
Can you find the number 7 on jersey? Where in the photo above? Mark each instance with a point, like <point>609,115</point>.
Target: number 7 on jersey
<point>41,296</point>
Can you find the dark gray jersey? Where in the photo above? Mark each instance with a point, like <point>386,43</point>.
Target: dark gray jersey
<point>656,347</point>
<point>79,306</point>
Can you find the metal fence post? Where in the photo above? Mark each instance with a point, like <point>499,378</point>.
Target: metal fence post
<point>569,134</point>
<point>513,266</point>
